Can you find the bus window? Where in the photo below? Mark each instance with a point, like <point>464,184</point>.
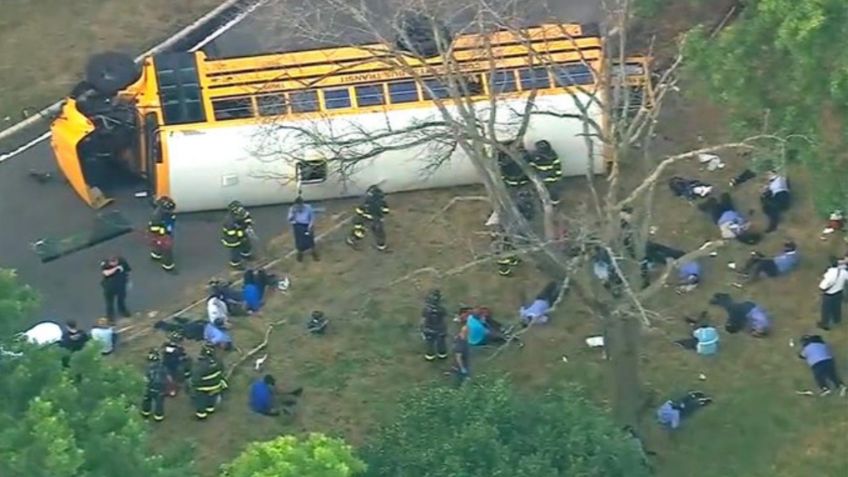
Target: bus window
<point>534,78</point>
<point>233,108</point>
<point>575,73</point>
<point>337,98</point>
<point>271,105</point>
<point>370,95</point>
<point>435,88</point>
<point>304,101</point>
<point>403,92</point>
<point>312,172</point>
<point>502,81</point>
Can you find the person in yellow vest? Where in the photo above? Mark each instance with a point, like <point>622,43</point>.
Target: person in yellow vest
<point>236,234</point>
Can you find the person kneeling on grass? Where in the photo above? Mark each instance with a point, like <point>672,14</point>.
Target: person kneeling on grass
<point>263,397</point>
<point>705,337</point>
<point>820,359</point>
<point>781,264</point>
<point>743,315</point>
<point>673,411</point>
<point>215,335</point>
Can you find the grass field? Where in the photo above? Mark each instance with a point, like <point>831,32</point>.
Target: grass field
<point>45,43</point>
<point>353,376</point>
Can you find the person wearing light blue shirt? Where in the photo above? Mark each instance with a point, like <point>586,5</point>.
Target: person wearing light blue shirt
<point>537,311</point>
<point>781,264</point>
<point>819,358</point>
<point>673,411</point>
<point>477,330</point>
<point>215,335</point>
<point>302,219</point>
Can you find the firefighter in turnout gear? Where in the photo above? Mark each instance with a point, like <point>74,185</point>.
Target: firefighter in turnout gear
<point>154,392</point>
<point>511,172</point>
<point>236,234</point>
<point>546,163</point>
<point>370,214</point>
<point>207,379</point>
<point>176,361</point>
<point>501,246</point>
<point>433,327</point>
<point>160,229</point>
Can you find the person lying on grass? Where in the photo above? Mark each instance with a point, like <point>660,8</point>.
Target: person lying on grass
<point>705,337</point>
<point>745,315</point>
<point>817,353</point>
<point>759,265</point>
<point>674,411</point>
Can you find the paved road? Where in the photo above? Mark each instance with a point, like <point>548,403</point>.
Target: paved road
<point>30,211</point>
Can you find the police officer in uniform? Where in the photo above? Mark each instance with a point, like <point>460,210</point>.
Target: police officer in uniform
<point>433,327</point>
<point>547,164</point>
<point>236,234</point>
<point>161,230</point>
<point>176,361</point>
<point>208,382</point>
<point>154,392</point>
<point>370,213</point>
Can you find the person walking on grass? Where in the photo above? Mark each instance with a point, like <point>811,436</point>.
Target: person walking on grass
<point>302,219</point>
<point>820,359</point>
<point>832,286</point>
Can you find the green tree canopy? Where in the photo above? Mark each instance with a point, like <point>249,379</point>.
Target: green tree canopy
<point>76,421</point>
<point>782,66</point>
<point>17,304</point>
<point>288,456</point>
<point>487,430</point>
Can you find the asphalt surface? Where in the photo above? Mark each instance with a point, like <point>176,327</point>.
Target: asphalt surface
<point>30,211</point>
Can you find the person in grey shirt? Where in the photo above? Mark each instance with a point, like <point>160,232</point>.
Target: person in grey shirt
<point>104,334</point>
<point>302,219</point>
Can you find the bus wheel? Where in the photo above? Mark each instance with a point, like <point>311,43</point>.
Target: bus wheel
<point>422,35</point>
<point>111,72</point>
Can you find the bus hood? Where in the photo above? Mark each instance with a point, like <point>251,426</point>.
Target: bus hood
<point>68,130</point>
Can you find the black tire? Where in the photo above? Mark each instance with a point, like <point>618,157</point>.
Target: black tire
<point>422,35</point>
<point>111,72</point>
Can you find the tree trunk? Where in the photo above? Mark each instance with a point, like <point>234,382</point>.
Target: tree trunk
<point>622,344</point>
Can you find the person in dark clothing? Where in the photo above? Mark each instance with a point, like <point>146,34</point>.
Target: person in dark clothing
<point>160,230</point>
<point>775,199</point>
<point>673,411</point>
<point>317,323</point>
<point>264,397</point>
<point>208,382</point>
<point>461,353</point>
<point>743,315</point>
<point>820,359</point>
<point>545,161</point>
<point>154,391</point>
<point>370,213</point>
<point>74,338</point>
<point>759,265</point>
<point>511,172</point>
<point>176,362</point>
<point>236,233</point>
<point>433,327</point>
<point>730,222</point>
<point>656,254</point>
<point>114,280</point>
<point>302,219</point>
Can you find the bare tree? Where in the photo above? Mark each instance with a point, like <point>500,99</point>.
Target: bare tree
<point>617,113</point>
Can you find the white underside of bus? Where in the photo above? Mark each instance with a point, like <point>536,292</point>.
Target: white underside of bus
<point>257,164</point>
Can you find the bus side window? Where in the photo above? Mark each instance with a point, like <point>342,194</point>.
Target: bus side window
<point>571,74</point>
<point>304,101</point>
<point>502,81</point>
<point>370,95</point>
<point>403,92</point>
<point>271,104</point>
<point>336,98</point>
<point>435,88</point>
<point>534,78</point>
<point>312,172</point>
<point>233,108</point>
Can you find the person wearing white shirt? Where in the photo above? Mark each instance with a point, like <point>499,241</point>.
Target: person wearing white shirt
<point>216,309</point>
<point>832,286</point>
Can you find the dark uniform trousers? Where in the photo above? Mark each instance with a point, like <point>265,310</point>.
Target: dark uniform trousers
<point>436,344</point>
<point>154,397</point>
<point>177,368</point>
<point>238,244</point>
<point>161,246</point>
<point>364,218</point>
<point>506,260</point>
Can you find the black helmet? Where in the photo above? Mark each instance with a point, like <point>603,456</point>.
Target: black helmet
<point>234,206</point>
<point>166,203</point>
<point>374,190</point>
<point>175,337</point>
<point>434,296</point>
<point>153,355</point>
<point>317,315</point>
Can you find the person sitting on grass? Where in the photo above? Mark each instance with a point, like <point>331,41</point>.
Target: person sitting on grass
<point>820,359</point>
<point>705,337</point>
<point>104,334</point>
<point>688,276</point>
<point>263,397</point>
<point>482,328</point>
<point>673,411</point>
<point>317,323</point>
<point>758,265</point>
<point>745,315</point>
<point>251,293</point>
<point>215,335</point>
<point>731,224</point>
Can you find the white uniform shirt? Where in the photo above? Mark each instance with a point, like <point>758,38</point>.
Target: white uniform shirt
<point>216,308</point>
<point>833,280</point>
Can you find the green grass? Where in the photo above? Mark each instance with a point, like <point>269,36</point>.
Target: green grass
<point>46,43</point>
<point>353,375</point>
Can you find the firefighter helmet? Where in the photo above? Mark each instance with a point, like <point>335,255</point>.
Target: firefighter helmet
<point>153,355</point>
<point>234,206</point>
<point>175,337</point>
<point>166,203</point>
